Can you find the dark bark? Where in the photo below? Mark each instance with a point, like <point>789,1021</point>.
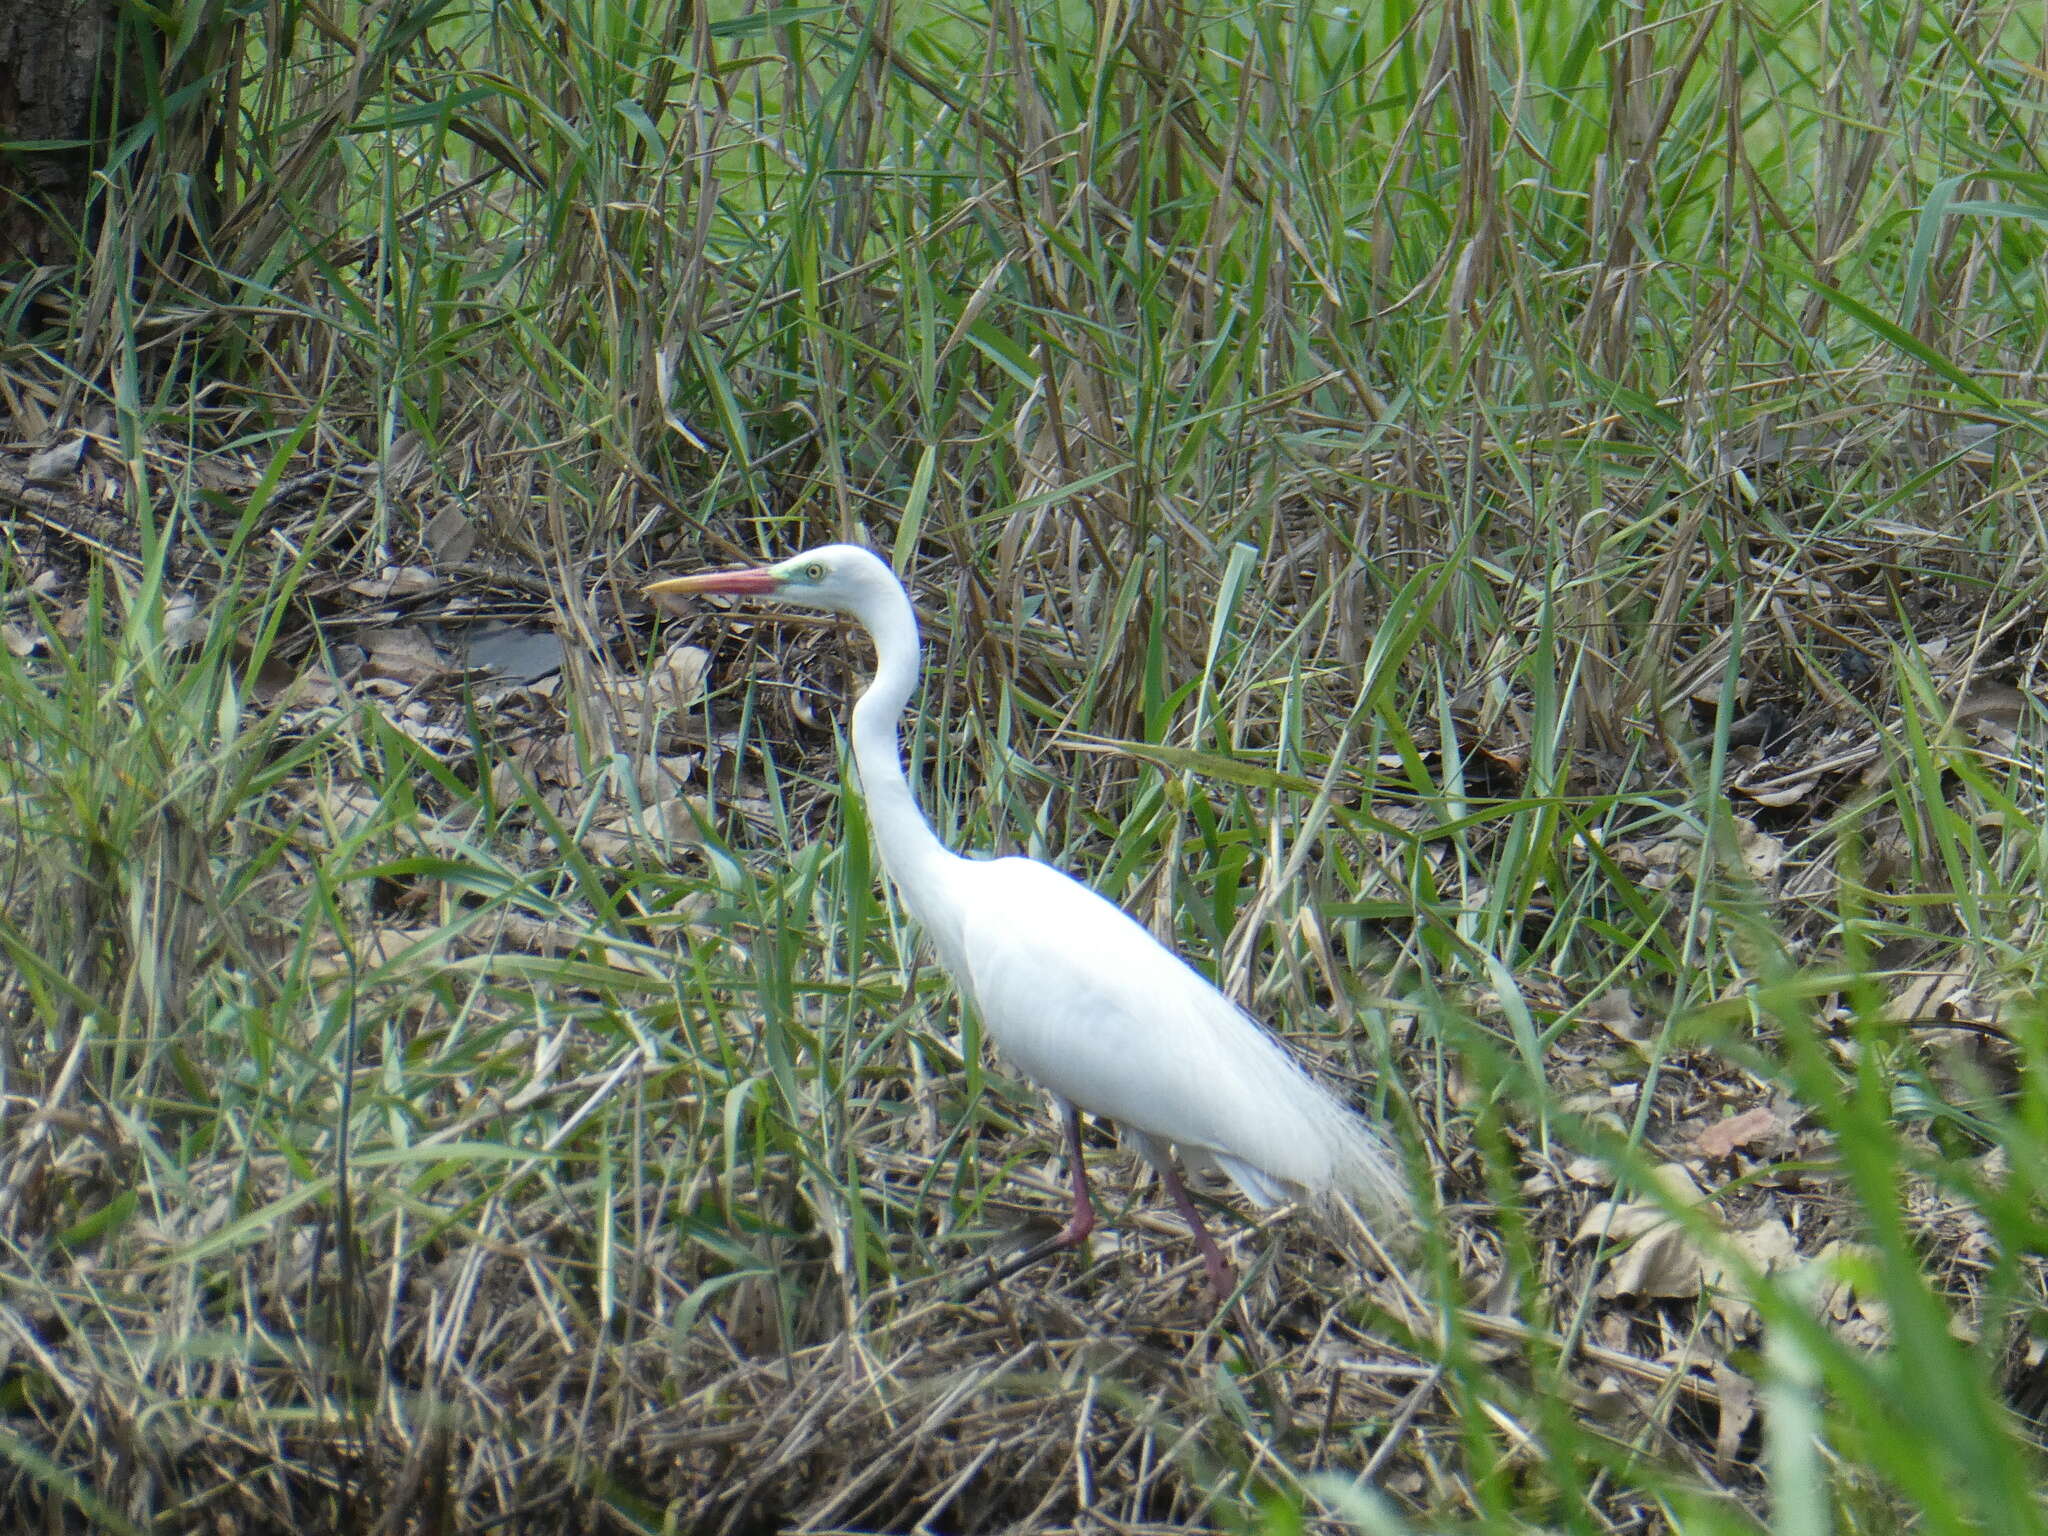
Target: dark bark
<point>53,69</point>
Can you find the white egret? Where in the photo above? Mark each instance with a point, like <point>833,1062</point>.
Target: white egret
<point>1078,996</point>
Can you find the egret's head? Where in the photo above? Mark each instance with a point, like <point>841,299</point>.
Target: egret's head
<point>843,578</point>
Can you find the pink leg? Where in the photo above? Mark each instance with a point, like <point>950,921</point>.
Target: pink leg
<point>1079,1224</point>
<point>1222,1279</point>
<point>1082,1221</point>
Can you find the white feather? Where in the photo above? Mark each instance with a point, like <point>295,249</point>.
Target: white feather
<point>1086,1003</point>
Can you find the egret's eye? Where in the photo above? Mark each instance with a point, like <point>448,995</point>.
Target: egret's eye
<point>815,571</point>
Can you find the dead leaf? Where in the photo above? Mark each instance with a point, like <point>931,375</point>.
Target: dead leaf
<point>1846,1267</point>
<point>1737,1396</point>
<point>1768,1247</point>
<point>344,809</point>
<point>1790,793</point>
<point>419,948</point>
<point>402,655</point>
<point>1662,1259</point>
<point>662,777</point>
<point>1723,1137</point>
<point>1762,854</point>
<point>53,466</point>
<point>1589,1171</point>
<point>1665,862</point>
<point>678,680</point>
<point>278,683</point>
<point>451,535</point>
<point>396,581</point>
<point>181,618</point>
<point>1614,1011</point>
<point>514,652</point>
<point>659,826</point>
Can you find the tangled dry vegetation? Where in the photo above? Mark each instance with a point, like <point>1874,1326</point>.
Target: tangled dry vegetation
<point>579,1283</point>
<point>1514,539</point>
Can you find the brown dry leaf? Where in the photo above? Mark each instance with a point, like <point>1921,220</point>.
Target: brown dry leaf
<point>662,775</point>
<point>1723,1137</point>
<point>420,948</point>
<point>20,642</point>
<point>1463,1089</point>
<point>1787,793</point>
<point>344,809</point>
<point>1589,1171</point>
<point>401,655</point>
<point>396,581</point>
<point>663,823</point>
<point>1512,758</point>
<point>1860,1319</point>
<point>1768,1246</point>
<point>547,760</point>
<point>1665,863</point>
<point>1932,995</point>
<point>1615,1011</point>
<point>1998,707</point>
<point>53,466</point>
<point>1737,1394</point>
<point>677,682</point>
<point>181,619</point>
<point>505,783</point>
<point>272,680</point>
<point>451,535</point>
<point>1663,1259</point>
<point>1840,1262</point>
<point>315,688</point>
<point>1762,854</point>
<point>277,683</point>
<point>415,718</point>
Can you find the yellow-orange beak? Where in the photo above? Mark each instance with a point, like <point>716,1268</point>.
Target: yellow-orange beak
<point>755,582</point>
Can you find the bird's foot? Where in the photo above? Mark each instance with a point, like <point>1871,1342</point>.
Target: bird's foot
<point>1072,1235</point>
<point>1222,1278</point>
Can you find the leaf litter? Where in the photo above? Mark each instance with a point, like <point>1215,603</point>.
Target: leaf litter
<point>744,1396</point>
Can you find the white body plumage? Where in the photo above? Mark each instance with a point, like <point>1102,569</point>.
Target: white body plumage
<point>1089,1005</point>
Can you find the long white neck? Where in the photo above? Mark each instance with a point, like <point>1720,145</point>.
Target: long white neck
<point>912,853</point>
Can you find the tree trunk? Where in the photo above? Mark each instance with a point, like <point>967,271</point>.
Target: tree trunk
<point>52,71</point>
